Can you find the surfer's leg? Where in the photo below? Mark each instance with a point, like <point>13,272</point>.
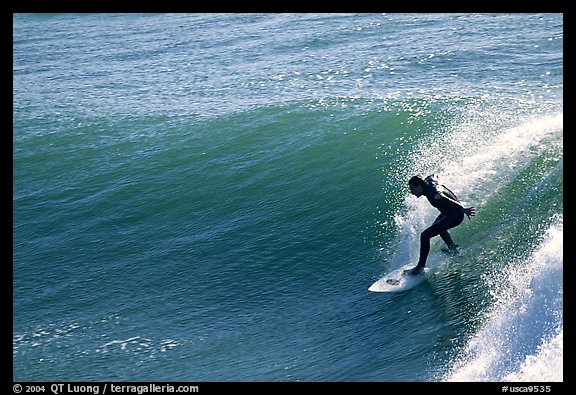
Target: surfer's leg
<point>439,227</point>
<point>425,237</point>
<point>444,233</point>
<point>448,239</point>
<point>424,249</point>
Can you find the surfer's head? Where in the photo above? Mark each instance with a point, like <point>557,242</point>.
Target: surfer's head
<point>417,184</point>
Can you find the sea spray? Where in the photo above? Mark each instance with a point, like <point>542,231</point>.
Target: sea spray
<point>521,338</point>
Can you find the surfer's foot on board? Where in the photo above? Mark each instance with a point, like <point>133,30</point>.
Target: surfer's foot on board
<point>414,271</point>
<point>453,249</point>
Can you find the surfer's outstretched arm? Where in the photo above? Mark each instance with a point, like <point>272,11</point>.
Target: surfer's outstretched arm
<point>470,212</point>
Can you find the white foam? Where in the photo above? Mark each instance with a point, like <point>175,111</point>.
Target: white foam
<point>521,338</point>
<point>484,157</point>
<point>545,365</point>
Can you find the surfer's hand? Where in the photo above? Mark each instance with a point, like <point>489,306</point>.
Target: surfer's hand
<point>470,212</point>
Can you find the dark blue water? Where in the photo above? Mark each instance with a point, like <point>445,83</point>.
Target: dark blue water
<point>207,197</point>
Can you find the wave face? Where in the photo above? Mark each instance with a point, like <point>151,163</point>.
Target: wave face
<point>513,253</point>
<point>208,197</point>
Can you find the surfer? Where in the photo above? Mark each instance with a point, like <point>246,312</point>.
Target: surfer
<point>451,215</point>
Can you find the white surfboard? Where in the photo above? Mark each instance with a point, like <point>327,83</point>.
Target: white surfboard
<point>397,281</point>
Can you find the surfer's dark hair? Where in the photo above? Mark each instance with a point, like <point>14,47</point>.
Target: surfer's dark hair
<point>417,180</point>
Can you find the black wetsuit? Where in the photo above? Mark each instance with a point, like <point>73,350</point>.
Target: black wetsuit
<point>451,215</point>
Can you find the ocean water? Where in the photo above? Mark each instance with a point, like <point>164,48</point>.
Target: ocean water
<point>208,197</point>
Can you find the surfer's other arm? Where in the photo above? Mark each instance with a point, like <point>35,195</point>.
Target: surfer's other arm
<point>469,211</point>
